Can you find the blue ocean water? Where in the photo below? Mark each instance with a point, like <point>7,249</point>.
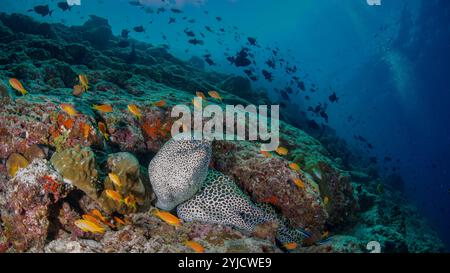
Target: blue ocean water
<point>388,65</point>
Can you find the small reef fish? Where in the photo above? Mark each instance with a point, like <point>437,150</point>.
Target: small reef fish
<point>271,200</point>
<point>98,214</point>
<point>198,248</point>
<point>215,95</point>
<point>294,166</point>
<point>282,151</point>
<point>299,183</point>
<point>291,246</point>
<point>134,110</point>
<point>86,130</point>
<point>84,81</point>
<point>160,103</point>
<point>200,95</point>
<point>324,241</point>
<point>88,226</point>
<point>17,85</point>
<point>266,154</point>
<point>304,233</point>
<point>104,108</point>
<point>69,109</point>
<point>168,217</point>
<point>102,128</point>
<point>114,195</point>
<point>115,179</point>
<point>91,218</point>
<point>78,90</point>
<point>119,221</point>
<point>130,201</point>
<point>317,173</point>
<point>326,200</point>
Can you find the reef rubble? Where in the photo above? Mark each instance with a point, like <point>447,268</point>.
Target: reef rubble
<point>55,166</point>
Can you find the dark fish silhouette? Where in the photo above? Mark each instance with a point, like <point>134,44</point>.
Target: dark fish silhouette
<point>209,29</point>
<point>218,18</point>
<point>324,115</point>
<point>172,20</point>
<point>271,63</point>
<point>208,59</point>
<point>251,40</point>
<point>333,98</point>
<point>175,10</point>
<point>63,6</point>
<point>160,10</point>
<point>139,29</point>
<point>135,3</point>
<point>189,33</point>
<point>196,42</point>
<point>267,75</point>
<point>241,59</point>
<point>42,10</point>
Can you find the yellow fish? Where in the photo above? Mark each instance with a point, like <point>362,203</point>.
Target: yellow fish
<point>282,151</point>
<point>299,183</point>
<point>88,226</point>
<point>84,81</point>
<point>119,221</point>
<point>134,110</point>
<point>115,179</point>
<point>114,195</point>
<point>105,108</point>
<point>326,200</point>
<point>160,103</point>
<point>198,248</point>
<point>168,217</point>
<point>69,109</point>
<point>91,218</point>
<point>130,201</point>
<point>17,85</point>
<point>291,246</point>
<point>102,128</point>
<point>215,94</point>
<point>200,95</point>
<point>294,166</point>
<point>98,214</point>
<point>266,154</point>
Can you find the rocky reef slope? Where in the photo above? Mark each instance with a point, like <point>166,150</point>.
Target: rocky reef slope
<point>55,165</point>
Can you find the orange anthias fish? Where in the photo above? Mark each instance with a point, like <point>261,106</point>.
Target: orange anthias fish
<point>215,95</point>
<point>200,95</point>
<point>198,248</point>
<point>104,108</point>
<point>299,183</point>
<point>160,103</point>
<point>291,246</point>
<point>294,166</point>
<point>69,109</point>
<point>119,221</point>
<point>282,151</point>
<point>98,214</point>
<point>114,195</point>
<point>102,128</point>
<point>168,217</point>
<point>130,201</point>
<point>86,128</point>
<point>271,200</point>
<point>17,85</point>
<point>134,110</point>
<point>88,226</point>
<point>115,179</point>
<point>84,81</point>
<point>91,218</point>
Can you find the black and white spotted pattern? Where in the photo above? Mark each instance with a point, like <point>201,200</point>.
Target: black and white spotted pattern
<point>178,171</point>
<point>220,201</point>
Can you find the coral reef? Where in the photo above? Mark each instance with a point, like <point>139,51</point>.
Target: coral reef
<point>332,192</point>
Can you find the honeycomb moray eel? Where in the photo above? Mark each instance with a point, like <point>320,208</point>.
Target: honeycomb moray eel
<point>220,201</point>
<point>178,170</point>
